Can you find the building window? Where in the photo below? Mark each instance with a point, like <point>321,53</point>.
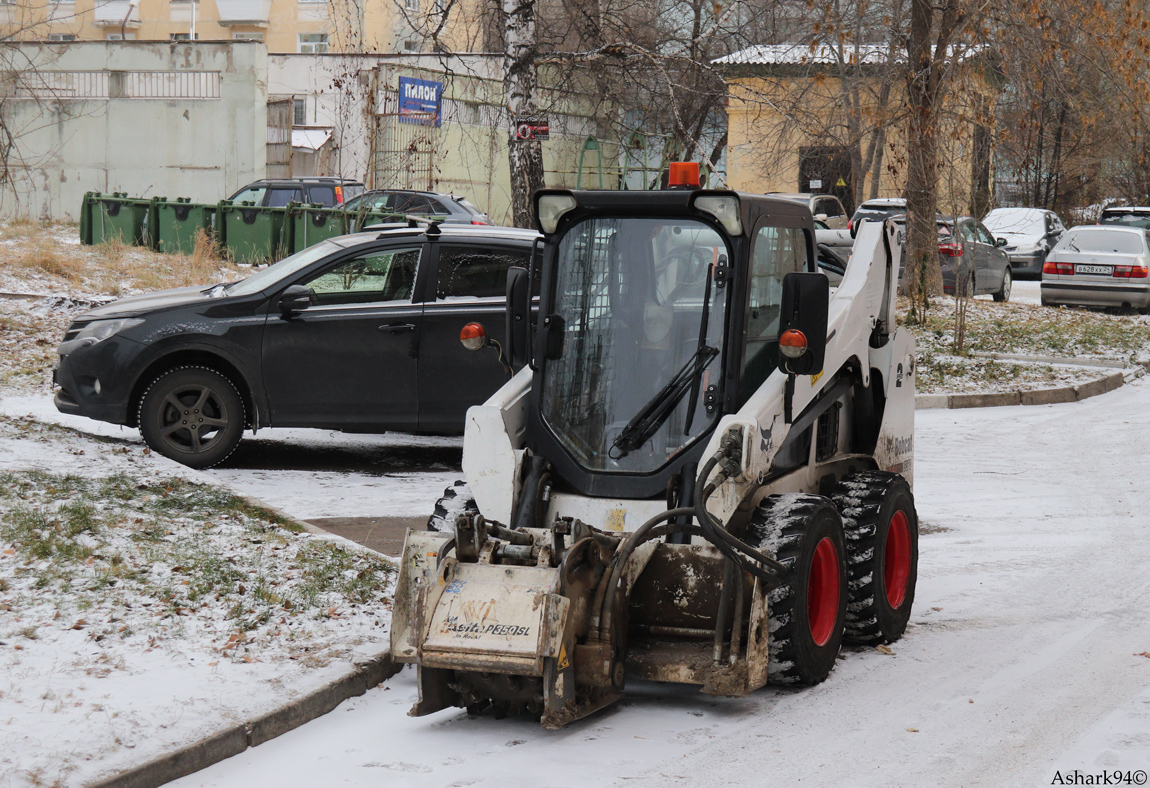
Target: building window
<point>183,37</point>
<point>412,5</point>
<point>247,36</point>
<point>299,112</point>
<point>410,45</point>
<point>120,37</point>
<point>312,43</point>
<point>61,36</point>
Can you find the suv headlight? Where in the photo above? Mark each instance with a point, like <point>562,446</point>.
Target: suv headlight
<point>99,330</point>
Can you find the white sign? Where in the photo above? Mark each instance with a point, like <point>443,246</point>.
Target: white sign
<point>816,183</point>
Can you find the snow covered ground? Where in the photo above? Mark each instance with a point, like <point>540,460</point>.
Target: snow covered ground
<point>307,473</point>
<point>1026,291</point>
<point>1026,657</point>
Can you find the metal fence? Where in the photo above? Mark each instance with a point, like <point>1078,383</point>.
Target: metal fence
<point>403,155</point>
<point>102,85</point>
<point>279,138</point>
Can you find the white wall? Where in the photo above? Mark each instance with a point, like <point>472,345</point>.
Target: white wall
<point>82,125</point>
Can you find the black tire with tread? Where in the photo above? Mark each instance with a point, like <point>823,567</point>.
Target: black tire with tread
<point>456,498</point>
<point>867,502</point>
<point>150,415</point>
<point>790,527</point>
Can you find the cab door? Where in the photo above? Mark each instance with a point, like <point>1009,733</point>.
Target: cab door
<point>350,360</point>
<point>470,286</point>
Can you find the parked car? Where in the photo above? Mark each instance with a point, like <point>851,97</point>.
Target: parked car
<point>824,207</point>
<point>876,210</point>
<point>1099,265</point>
<point>357,333</point>
<point>1126,216</point>
<point>1030,234</point>
<point>278,192</point>
<point>450,208</point>
<point>970,255</point>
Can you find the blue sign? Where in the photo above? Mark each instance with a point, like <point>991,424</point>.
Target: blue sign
<point>420,101</point>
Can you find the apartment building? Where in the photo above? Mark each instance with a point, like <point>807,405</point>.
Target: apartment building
<point>284,26</point>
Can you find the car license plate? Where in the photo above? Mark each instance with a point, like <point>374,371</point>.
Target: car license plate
<point>1105,270</point>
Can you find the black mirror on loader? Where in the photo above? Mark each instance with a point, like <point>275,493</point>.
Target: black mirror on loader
<point>518,316</point>
<point>803,323</point>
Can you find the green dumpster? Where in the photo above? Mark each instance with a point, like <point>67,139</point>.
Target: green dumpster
<point>311,224</point>
<point>177,224</point>
<point>251,233</point>
<point>86,218</point>
<point>116,216</point>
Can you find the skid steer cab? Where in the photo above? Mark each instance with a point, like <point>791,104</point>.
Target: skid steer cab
<point>701,473</point>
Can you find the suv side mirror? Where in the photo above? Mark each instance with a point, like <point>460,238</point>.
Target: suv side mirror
<point>518,316</point>
<point>1000,242</point>
<point>803,323</point>
<point>294,300</point>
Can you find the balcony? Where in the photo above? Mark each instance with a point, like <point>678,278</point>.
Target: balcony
<point>114,12</point>
<point>244,12</point>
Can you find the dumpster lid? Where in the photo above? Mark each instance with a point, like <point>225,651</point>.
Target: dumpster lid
<point>311,139</point>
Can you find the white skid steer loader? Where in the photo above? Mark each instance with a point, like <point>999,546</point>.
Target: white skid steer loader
<point>701,473</point>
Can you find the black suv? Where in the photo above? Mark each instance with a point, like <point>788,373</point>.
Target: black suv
<point>278,192</point>
<point>358,333</point>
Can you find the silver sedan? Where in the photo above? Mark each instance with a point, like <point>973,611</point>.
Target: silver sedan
<point>1098,265</point>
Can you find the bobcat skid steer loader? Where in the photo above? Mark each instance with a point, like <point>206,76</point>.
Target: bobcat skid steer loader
<point>701,474</point>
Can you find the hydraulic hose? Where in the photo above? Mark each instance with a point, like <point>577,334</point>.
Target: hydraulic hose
<point>614,579</point>
<point>623,554</point>
<point>758,564</point>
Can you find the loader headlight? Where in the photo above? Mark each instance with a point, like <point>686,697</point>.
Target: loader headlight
<point>99,330</point>
<point>550,208</point>
<point>724,207</point>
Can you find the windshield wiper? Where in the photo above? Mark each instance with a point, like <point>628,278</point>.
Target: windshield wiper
<point>652,415</point>
<point>703,319</point>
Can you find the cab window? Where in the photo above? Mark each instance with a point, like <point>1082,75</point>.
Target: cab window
<point>777,251</point>
<point>382,276</point>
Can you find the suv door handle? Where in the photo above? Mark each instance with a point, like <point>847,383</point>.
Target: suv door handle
<point>397,328</point>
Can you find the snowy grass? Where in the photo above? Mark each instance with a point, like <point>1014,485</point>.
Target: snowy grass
<point>149,561</point>
<point>1022,329</point>
<point>130,586</point>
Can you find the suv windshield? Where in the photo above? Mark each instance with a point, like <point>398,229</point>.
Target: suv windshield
<point>643,326</point>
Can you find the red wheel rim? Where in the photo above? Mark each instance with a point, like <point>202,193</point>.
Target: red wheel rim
<point>896,559</point>
<point>823,592</point>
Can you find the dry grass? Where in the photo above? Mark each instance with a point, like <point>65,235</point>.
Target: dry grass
<point>44,256</point>
<point>35,257</point>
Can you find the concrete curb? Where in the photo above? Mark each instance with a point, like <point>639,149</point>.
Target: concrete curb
<point>1110,363</point>
<point>1075,393</point>
<point>237,738</point>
